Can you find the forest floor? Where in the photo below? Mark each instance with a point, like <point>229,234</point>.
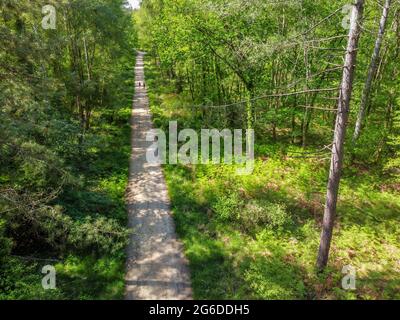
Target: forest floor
<point>156,266</point>
<point>257,236</point>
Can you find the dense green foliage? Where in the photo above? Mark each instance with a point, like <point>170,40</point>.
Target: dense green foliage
<point>222,52</point>
<point>274,66</point>
<point>257,236</point>
<point>64,147</point>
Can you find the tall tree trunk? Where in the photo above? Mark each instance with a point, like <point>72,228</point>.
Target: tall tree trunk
<point>88,110</point>
<point>250,114</point>
<point>371,71</point>
<point>294,119</point>
<point>340,133</point>
<point>306,112</point>
<point>305,87</point>
<point>189,81</point>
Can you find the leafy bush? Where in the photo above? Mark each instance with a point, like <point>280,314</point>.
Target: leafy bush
<point>5,243</point>
<point>258,214</point>
<point>99,235</point>
<point>34,222</point>
<point>38,167</point>
<point>251,215</point>
<point>393,163</point>
<point>22,280</point>
<point>228,206</point>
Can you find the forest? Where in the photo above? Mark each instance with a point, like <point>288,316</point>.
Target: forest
<point>319,83</point>
<point>65,107</point>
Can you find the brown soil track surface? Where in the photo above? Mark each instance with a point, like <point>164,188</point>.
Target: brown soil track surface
<point>156,265</point>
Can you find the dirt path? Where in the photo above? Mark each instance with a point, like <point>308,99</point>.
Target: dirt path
<point>156,266</point>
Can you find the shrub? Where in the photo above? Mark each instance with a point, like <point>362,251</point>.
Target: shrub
<point>99,235</point>
<point>5,243</point>
<point>261,214</point>
<point>228,206</point>
<point>253,215</point>
<point>33,222</point>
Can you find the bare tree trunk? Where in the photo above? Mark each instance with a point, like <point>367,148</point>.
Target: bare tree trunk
<point>340,133</point>
<point>371,71</point>
<point>88,110</point>
<point>306,87</point>
<point>306,112</point>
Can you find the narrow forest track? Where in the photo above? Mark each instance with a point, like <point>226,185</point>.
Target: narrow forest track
<point>156,265</point>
